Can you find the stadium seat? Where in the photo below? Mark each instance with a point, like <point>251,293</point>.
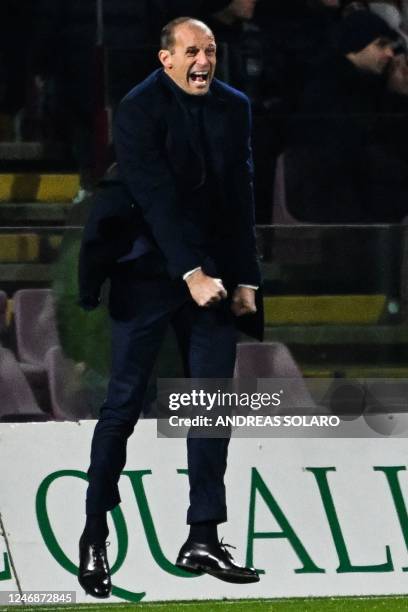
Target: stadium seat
<point>3,311</point>
<point>36,329</point>
<point>265,360</point>
<point>307,243</point>
<point>404,270</point>
<point>17,401</point>
<point>19,248</point>
<point>280,212</point>
<point>70,400</point>
<point>272,360</point>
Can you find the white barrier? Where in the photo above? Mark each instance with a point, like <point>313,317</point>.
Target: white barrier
<point>319,517</point>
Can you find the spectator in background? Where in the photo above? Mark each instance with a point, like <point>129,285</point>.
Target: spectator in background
<point>241,62</point>
<point>336,141</point>
<point>391,12</point>
<point>297,36</point>
<point>390,176</point>
<point>265,49</point>
<point>390,180</point>
<point>294,35</point>
<point>349,6</point>
<point>331,3</point>
<point>15,22</point>
<point>240,59</point>
<point>75,50</point>
<point>404,12</point>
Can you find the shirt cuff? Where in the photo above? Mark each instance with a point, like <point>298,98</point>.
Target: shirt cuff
<point>190,272</point>
<point>254,287</point>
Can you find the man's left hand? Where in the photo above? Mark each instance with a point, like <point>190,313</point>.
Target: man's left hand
<point>243,301</point>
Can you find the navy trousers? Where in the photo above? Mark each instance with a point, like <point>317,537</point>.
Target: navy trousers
<point>207,339</point>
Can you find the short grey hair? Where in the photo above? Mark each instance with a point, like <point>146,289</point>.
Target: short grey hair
<point>167,37</point>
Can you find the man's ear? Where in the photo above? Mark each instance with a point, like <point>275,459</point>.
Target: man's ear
<point>165,58</point>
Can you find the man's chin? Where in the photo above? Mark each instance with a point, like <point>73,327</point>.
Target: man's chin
<point>198,90</point>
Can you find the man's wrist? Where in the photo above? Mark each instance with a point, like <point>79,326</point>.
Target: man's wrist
<point>254,287</point>
<point>190,272</point>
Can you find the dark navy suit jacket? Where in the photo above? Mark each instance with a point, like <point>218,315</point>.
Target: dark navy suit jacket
<point>160,170</point>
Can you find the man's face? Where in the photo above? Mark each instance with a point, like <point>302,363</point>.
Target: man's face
<point>375,57</point>
<point>242,9</point>
<point>191,62</point>
<point>398,75</point>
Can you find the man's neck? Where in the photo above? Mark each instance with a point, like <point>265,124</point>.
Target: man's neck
<point>181,93</point>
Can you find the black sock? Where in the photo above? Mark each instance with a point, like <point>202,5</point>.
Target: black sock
<point>96,528</point>
<point>204,533</point>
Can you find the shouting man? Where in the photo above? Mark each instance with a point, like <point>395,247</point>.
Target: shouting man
<point>182,141</point>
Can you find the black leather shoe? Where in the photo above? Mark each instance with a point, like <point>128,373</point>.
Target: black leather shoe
<point>94,572</point>
<point>214,559</point>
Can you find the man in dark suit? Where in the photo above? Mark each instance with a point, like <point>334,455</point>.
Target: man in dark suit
<point>336,152</point>
<point>184,159</point>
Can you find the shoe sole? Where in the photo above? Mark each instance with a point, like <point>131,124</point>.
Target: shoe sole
<point>93,594</point>
<point>230,579</point>
<point>194,568</point>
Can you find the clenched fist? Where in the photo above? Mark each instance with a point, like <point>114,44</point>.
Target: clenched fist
<point>243,301</point>
<point>205,290</point>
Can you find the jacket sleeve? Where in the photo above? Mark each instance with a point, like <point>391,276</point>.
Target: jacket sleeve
<point>109,233</point>
<point>145,170</point>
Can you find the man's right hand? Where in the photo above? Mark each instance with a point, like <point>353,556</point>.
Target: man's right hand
<point>205,290</point>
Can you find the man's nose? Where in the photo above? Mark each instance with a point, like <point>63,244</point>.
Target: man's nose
<point>201,58</point>
<point>389,52</point>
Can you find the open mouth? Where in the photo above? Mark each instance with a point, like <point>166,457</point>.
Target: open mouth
<point>199,76</point>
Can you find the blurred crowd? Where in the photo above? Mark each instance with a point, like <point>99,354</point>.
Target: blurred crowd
<point>328,82</point>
